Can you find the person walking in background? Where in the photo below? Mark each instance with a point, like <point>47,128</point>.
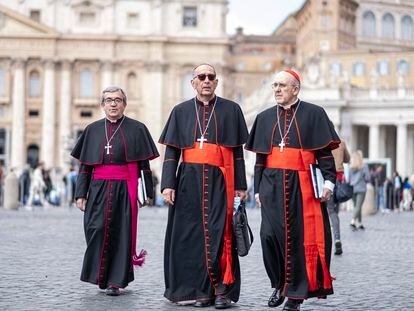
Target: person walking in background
<point>24,185</point>
<point>358,178</point>
<point>398,189</point>
<point>341,156</point>
<point>379,181</point>
<point>407,198</point>
<point>37,186</point>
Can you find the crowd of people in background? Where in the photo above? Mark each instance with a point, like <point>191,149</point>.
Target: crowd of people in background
<point>392,194</point>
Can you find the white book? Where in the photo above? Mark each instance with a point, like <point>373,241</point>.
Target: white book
<point>142,191</point>
<point>317,180</point>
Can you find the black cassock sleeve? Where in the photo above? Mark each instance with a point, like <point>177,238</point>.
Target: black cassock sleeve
<point>326,164</point>
<point>144,166</point>
<point>169,168</point>
<point>258,170</point>
<point>239,169</point>
<point>83,181</point>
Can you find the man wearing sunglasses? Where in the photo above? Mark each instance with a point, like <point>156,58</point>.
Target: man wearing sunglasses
<point>200,260</point>
<point>113,153</point>
<point>295,231</point>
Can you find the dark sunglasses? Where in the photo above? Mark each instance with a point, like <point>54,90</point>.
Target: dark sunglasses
<point>202,77</point>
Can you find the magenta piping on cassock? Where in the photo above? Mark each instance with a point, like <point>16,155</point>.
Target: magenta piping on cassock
<point>128,172</point>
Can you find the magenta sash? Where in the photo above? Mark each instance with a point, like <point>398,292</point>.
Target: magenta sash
<point>128,172</point>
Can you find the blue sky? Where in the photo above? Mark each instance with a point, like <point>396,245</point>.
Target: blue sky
<point>259,16</point>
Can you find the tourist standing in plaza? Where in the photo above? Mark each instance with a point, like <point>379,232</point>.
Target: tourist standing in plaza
<point>200,260</point>
<point>341,156</point>
<point>359,178</point>
<point>295,231</point>
<point>113,153</point>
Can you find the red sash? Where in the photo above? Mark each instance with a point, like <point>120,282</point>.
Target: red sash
<point>221,157</point>
<point>128,172</point>
<point>314,236</point>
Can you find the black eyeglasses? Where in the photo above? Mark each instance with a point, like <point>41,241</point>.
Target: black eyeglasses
<point>116,100</point>
<point>202,77</point>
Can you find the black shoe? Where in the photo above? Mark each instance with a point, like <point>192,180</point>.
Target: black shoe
<point>353,227</point>
<point>338,248</point>
<point>292,305</point>
<point>361,227</point>
<point>222,302</point>
<point>276,299</point>
<point>112,291</point>
<point>202,303</point>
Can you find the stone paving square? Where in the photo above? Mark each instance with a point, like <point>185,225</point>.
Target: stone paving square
<point>41,257</point>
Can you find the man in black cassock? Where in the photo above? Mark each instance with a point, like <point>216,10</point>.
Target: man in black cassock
<point>114,153</point>
<point>200,260</point>
<point>295,231</point>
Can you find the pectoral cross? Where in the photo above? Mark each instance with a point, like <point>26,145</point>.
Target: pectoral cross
<point>108,147</point>
<point>201,140</point>
<point>281,145</point>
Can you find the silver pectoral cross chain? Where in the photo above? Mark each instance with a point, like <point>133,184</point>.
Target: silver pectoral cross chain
<point>282,143</point>
<point>108,140</point>
<point>202,139</point>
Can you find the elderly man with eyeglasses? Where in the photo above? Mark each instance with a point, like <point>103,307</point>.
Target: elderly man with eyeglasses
<point>200,261</point>
<point>114,153</point>
<point>295,231</point>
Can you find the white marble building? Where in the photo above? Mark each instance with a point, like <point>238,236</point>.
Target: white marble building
<point>57,55</point>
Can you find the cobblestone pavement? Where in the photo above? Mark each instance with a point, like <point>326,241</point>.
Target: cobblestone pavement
<point>41,256</point>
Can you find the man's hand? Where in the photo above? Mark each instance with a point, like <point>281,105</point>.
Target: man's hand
<point>327,193</point>
<point>169,195</point>
<point>256,196</point>
<point>81,204</point>
<point>241,194</point>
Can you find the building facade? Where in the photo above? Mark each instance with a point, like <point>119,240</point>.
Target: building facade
<point>57,56</point>
<point>356,60</point>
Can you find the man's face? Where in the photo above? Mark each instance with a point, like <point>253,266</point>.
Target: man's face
<point>206,87</point>
<point>113,105</point>
<point>285,88</point>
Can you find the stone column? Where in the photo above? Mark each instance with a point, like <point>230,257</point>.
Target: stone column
<point>65,115</point>
<point>48,115</point>
<point>18,151</point>
<point>153,98</point>
<point>374,143</point>
<point>107,76</point>
<point>402,149</point>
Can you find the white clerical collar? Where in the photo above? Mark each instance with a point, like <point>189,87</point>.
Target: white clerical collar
<point>288,106</point>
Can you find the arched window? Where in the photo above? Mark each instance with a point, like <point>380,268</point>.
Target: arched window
<point>403,67</point>
<point>2,82</point>
<point>132,87</point>
<point>407,28</point>
<point>34,84</point>
<point>336,69</point>
<point>86,86</point>
<point>187,89</point>
<point>358,69</point>
<point>388,25</point>
<point>383,68</point>
<point>368,24</point>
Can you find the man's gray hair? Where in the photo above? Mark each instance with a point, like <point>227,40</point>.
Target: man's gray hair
<point>203,64</point>
<point>113,89</point>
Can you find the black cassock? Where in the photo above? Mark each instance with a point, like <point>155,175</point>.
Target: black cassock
<point>107,218</point>
<point>282,228</point>
<point>196,222</point>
